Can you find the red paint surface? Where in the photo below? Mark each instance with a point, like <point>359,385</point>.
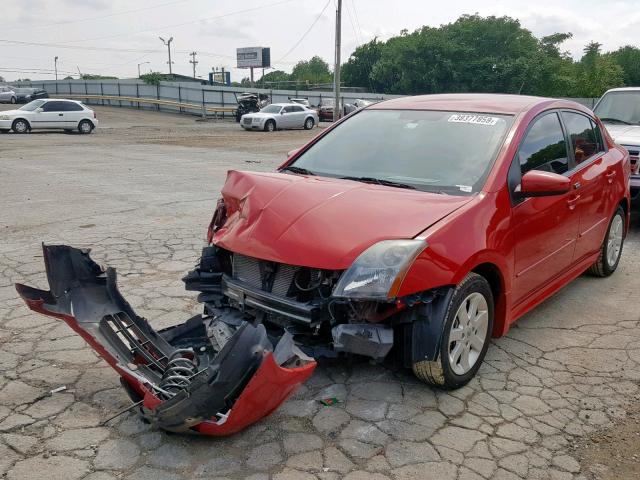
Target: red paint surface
<point>534,247</point>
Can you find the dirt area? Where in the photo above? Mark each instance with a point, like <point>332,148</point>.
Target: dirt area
<point>614,453</point>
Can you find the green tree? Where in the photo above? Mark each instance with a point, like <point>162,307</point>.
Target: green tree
<point>313,71</point>
<point>596,73</point>
<point>152,78</point>
<point>357,71</point>
<point>629,59</point>
<point>276,77</point>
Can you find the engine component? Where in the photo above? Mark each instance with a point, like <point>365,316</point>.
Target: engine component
<point>363,339</point>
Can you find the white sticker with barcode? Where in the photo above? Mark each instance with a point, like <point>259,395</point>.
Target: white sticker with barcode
<point>475,119</point>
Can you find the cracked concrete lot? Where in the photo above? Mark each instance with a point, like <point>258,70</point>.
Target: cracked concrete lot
<point>140,192</point>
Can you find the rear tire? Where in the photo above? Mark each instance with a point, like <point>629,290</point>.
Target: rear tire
<point>465,338</point>
<point>270,126</point>
<point>13,100</point>
<point>20,125</point>
<point>85,127</point>
<point>309,123</point>
<point>611,249</point>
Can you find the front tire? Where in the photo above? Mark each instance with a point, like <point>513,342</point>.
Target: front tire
<point>20,126</point>
<point>309,123</point>
<point>465,338</point>
<point>13,99</point>
<point>270,126</point>
<point>85,127</point>
<point>611,249</point>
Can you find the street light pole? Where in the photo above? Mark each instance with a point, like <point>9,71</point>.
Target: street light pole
<point>55,65</point>
<point>194,62</point>
<point>168,44</point>
<point>143,63</point>
<point>336,69</point>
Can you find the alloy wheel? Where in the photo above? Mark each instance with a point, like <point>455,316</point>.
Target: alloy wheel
<point>468,333</point>
<point>614,240</point>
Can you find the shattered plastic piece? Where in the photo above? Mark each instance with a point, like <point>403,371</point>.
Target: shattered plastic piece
<point>59,389</point>
<point>187,377</point>
<point>327,402</point>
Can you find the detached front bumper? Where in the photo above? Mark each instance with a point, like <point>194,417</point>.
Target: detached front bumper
<point>212,374</point>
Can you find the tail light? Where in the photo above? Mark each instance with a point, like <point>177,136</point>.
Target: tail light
<point>634,157</point>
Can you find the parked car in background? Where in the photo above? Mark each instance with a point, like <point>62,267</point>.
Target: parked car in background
<point>280,116</point>
<point>26,94</point>
<point>301,101</point>
<point>7,95</point>
<point>356,105</point>
<point>250,102</point>
<point>62,114</point>
<point>619,110</point>
<point>325,109</point>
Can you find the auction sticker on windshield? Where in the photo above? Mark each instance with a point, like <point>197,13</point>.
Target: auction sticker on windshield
<point>475,119</point>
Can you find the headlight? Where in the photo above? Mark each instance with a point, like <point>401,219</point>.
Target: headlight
<point>379,270</point>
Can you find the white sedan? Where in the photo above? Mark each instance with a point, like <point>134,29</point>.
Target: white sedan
<point>279,116</point>
<point>51,113</point>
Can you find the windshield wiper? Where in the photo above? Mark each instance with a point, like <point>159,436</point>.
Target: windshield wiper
<point>300,170</point>
<point>610,119</point>
<point>380,181</point>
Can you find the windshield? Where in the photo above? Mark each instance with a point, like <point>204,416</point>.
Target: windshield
<point>445,152</point>
<point>271,109</point>
<point>31,106</point>
<point>620,107</point>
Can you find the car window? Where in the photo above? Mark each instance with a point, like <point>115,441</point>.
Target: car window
<point>297,109</point>
<point>582,136</point>
<point>53,107</point>
<point>544,147</point>
<point>437,151</point>
<point>72,107</point>
<point>287,109</point>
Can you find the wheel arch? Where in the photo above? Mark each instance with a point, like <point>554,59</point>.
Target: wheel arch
<point>494,276</point>
<point>21,118</point>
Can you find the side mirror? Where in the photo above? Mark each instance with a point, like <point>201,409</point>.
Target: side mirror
<point>282,112</point>
<point>39,110</point>
<point>536,183</point>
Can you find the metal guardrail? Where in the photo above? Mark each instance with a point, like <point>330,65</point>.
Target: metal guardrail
<point>152,101</point>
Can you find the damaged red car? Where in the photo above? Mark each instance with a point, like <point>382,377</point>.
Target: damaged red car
<point>415,228</point>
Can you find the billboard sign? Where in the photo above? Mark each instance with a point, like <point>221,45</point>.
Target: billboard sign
<point>256,57</point>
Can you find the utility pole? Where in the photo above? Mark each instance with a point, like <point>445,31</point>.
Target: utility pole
<point>143,63</point>
<point>194,62</point>
<point>168,44</point>
<point>55,65</point>
<point>337,111</point>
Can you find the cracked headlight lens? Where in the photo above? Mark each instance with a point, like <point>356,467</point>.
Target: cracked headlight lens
<point>379,271</point>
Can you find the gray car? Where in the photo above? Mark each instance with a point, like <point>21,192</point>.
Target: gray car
<point>279,116</point>
<point>7,95</point>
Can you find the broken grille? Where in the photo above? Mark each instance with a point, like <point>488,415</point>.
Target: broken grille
<point>272,277</point>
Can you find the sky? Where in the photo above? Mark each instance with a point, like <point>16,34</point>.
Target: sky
<point>111,37</point>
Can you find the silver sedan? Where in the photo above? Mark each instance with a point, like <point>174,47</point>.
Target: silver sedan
<point>278,116</point>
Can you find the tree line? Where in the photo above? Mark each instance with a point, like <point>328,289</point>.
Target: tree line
<point>473,54</point>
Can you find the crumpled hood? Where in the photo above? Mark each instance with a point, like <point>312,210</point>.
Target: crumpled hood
<point>628,135</point>
<point>320,222</point>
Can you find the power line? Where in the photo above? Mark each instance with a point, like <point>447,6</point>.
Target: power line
<point>100,17</point>
<point>183,24</point>
<point>305,33</point>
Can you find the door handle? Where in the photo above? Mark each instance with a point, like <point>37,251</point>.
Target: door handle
<point>573,201</point>
<point>611,174</point>
<point>60,114</point>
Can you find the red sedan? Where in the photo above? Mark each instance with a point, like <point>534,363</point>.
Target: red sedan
<point>415,228</point>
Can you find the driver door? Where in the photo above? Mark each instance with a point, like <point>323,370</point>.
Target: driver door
<point>287,117</point>
<point>51,116</point>
<point>546,228</point>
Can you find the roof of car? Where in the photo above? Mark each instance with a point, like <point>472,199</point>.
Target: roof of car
<point>287,104</point>
<point>623,89</point>
<point>468,102</point>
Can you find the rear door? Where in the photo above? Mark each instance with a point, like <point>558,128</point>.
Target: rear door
<point>590,180</point>
<point>545,228</point>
